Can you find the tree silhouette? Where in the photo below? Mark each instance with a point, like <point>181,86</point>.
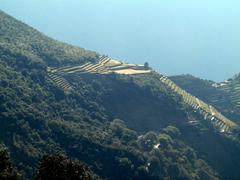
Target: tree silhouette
<point>58,167</point>
<point>6,170</point>
<point>146,65</point>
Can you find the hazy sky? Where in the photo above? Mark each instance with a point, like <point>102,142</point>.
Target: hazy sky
<point>200,37</point>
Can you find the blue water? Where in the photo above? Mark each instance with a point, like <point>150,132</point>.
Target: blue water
<point>198,37</point>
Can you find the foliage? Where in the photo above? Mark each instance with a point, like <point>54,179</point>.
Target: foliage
<point>25,42</point>
<point>6,169</point>
<point>146,65</point>
<point>60,168</point>
<point>225,97</point>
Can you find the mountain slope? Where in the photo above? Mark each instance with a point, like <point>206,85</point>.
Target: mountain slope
<point>56,98</point>
<point>26,42</point>
<point>224,95</point>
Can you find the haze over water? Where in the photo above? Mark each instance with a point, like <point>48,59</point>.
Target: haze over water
<point>198,37</point>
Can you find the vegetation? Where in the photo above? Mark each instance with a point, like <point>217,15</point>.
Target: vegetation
<point>6,169</point>
<point>225,95</point>
<point>60,168</point>
<point>146,65</point>
<point>29,45</point>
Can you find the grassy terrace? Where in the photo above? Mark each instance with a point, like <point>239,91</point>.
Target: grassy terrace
<point>232,86</point>
<point>60,81</point>
<point>209,112</point>
<point>105,65</point>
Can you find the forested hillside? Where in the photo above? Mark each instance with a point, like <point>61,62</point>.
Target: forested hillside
<point>31,47</point>
<point>121,125</point>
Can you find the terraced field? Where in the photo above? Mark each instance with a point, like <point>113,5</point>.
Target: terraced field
<point>107,65</point>
<point>233,88</point>
<point>60,81</point>
<point>209,112</point>
<point>104,66</point>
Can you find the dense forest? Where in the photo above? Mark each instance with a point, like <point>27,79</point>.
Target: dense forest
<point>109,126</point>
